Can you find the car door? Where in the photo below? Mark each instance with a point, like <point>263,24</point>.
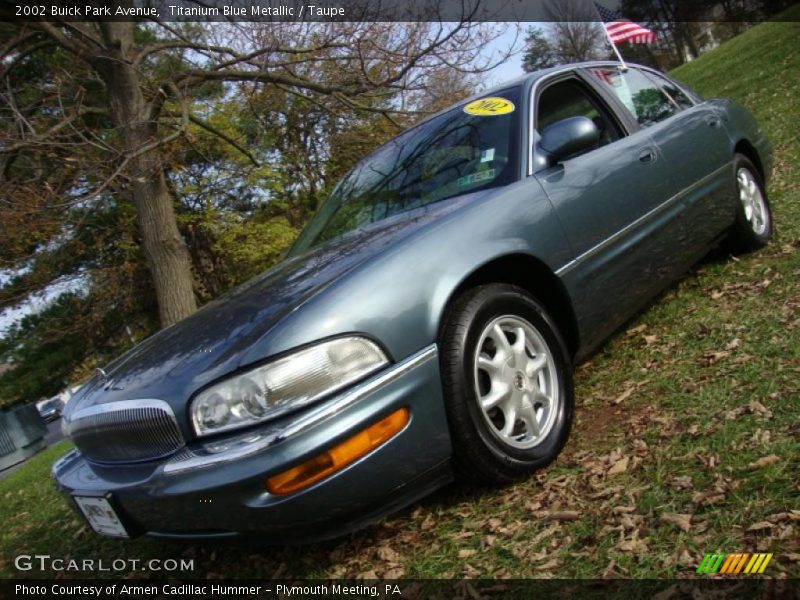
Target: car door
<point>613,203</point>
<point>692,141</point>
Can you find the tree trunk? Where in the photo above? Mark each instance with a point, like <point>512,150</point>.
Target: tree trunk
<point>164,249</point>
<point>688,35</point>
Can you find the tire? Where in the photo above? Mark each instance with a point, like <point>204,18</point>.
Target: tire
<point>487,448</point>
<point>752,227</point>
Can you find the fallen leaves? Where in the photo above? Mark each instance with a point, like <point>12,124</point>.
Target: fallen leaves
<point>610,568</point>
<point>733,344</point>
<point>756,407</point>
<point>742,289</point>
<point>792,515</point>
<point>709,460</point>
<point>501,527</point>
<point>681,482</point>
<point>717,492</point>
<point>629,388</point>
<point>634,544</point>
<point>606,492</point>
<point>621,510</point>
<point>428,523</point>
<point>548,566</point>
<point>389,566</point>
<point>544,534</point>
<point>562,515</point>
<point>752,407</point>
<point>681,521</point>
<point>764,461</point>
<point>387,554</point>
<point>619,467</point>
<point>711,358</point>
<point>623,396</point>
<point>636,330</point>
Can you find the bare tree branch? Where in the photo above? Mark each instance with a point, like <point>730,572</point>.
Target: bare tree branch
<point>222,135</point>
<point>77,47</point>
<point>45,137</point>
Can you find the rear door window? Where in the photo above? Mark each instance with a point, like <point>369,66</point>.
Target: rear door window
<point>638,93</point>
<point>673,91</point>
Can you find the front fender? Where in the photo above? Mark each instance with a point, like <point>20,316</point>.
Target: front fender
<point>399,296</point>
<point>741,125</point>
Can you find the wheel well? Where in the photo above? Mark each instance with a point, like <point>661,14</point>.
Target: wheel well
<point>746,148</point>
<point>537,279</point>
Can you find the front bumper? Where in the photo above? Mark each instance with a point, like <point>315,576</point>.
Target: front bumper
<point>216,490</point>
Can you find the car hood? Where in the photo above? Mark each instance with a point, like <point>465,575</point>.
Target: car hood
<point>175,362</point>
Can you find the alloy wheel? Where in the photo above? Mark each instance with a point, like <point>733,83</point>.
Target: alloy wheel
<point>515,381</point>
<point>755,208</point>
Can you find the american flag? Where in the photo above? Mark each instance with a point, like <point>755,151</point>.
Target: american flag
<point>620,30</point>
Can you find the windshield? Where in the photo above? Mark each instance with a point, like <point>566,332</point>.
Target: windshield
<point>465,149</point>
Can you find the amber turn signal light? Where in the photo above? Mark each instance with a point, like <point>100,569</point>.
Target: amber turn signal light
<point>303,475</point>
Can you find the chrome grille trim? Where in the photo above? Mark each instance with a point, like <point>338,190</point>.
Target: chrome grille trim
<point>125,431</point>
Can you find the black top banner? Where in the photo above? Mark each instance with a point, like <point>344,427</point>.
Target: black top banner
<point>320,11</point>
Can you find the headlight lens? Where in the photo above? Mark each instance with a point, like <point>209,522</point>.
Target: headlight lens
<point>285,384</point>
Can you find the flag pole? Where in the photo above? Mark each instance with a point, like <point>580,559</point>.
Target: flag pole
<point>610,41</point>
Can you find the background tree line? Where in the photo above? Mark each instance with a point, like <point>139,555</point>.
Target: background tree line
<point>147,167</point>
<point>684,29</point>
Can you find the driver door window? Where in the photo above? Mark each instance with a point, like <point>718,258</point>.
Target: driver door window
<point>570,98</point>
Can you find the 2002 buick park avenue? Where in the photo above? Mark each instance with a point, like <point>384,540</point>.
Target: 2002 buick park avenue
<point>425,323</point>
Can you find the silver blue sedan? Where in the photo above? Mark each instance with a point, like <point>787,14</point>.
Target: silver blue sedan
<point>426,323</point>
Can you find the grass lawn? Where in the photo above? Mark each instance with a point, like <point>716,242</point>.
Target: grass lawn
<point>686,439</point>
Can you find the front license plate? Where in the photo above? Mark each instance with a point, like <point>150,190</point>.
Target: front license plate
<point>101,516</point>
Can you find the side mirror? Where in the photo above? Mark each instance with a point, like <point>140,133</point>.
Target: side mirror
<point>567,137</point>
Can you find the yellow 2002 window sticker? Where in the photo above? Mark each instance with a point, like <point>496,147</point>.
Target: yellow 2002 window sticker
<point>489,107</point>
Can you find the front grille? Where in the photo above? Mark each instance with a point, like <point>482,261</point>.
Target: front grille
<point>125,431</point>
<point>7,445</point>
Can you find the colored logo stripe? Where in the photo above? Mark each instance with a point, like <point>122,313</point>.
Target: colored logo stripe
<point>758,563</point>
<point>732,564</point>
<point>710,563</point>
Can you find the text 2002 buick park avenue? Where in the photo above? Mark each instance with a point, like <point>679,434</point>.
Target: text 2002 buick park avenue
<point>425,323</point>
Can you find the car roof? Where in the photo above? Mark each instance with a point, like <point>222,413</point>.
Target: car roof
<point>533,76</point>
<point>528,78</point>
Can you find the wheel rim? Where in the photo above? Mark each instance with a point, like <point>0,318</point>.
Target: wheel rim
<point>516,382</point>
<point>755,208</point>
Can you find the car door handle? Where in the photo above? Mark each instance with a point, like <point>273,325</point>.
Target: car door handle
<point>647,155</point>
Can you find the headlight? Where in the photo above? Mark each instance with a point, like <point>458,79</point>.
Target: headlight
<point>285,384</point>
